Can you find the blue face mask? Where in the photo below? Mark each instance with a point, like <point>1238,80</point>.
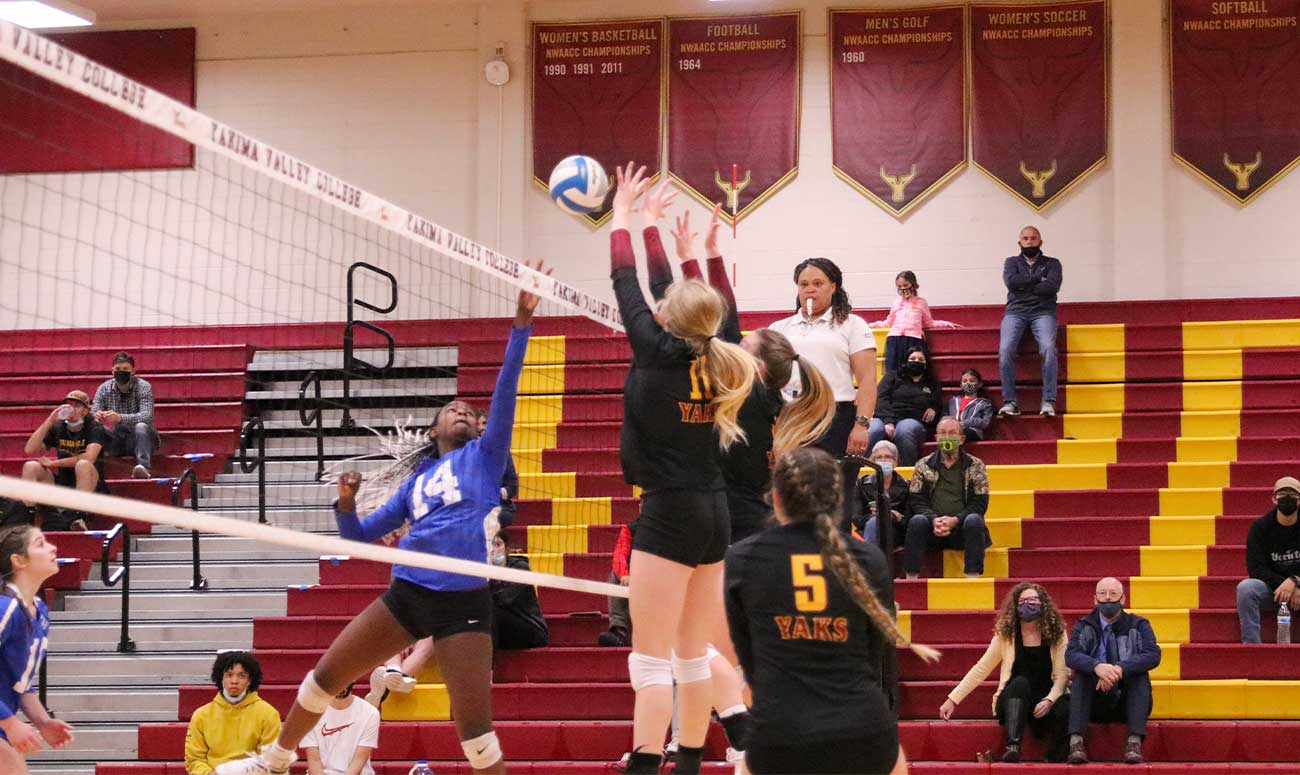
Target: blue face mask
<point>886,467</point>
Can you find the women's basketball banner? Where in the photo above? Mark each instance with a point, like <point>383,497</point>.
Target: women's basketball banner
<point>1039,120</point>
<point>1235,91</point>
<point>597,91</point>
<point>733,107</point>
<point>898,101</point>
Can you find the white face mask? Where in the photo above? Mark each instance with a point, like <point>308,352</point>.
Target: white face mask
<point>499,559</point>
<point>234,699</point>
<point>75,425</point>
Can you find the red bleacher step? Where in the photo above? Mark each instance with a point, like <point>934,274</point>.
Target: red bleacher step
<point>168,416</point>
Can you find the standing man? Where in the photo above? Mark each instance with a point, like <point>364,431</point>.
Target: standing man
<point>1033,280</point>
<point>124,404</point>
<point>1272,560</point>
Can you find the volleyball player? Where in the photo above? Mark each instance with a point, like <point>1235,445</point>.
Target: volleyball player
<point>26,561</point>
<point>681,399</point>
<point>447,501</point>
<point>810,619</point>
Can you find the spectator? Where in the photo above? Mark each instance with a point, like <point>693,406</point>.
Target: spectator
<point>1112,653</point>
<point>972,408</point>
<point>1272,560</point>
<point>124,404</point>
<point>907,401</point>
<point>908,318</point>
<point>1033,279</point>
<point>620,623</point>
<point>950,493</point>
<point>897,495</point>
<point>826,332</point>
<point>77,441</point>
<point>344,739</point>
<point>509,482</point>
<point>517,621</point>
<point>236,721</point>
<point>1029,641</point>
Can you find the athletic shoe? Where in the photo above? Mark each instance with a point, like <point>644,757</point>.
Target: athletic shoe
<point>1009,409</point>
<point>615,636</point>
<point>253,765</point>
<point>1048,409</point>
<point>140,472</point>
<point>378,691</point>
<point>397,681</point>
<point>1078,754</point>
<point>1012,754</point>
<point>736,758</point>
<point>1133,750</point>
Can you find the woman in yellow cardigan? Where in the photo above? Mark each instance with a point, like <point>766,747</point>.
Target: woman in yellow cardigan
<point>1029,640</point>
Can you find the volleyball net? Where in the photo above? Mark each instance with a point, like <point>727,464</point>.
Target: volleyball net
<point>291,324</point>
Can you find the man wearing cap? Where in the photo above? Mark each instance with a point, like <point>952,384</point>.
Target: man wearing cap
<point>77,440</point>
<point>1272,560</point>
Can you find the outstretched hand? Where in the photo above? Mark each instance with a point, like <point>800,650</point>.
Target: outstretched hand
<point>684,237</point>
<point>349,484</point>
<point>656,203</point>
<point>711,237</point>
<point>631,183</point>
<point>528,301</point>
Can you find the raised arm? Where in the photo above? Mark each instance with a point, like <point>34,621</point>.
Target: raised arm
<point>495,442</point>
<point>718,279</point>
<point>644,334</point>
<point>659,271</point>
<point>376,524</point>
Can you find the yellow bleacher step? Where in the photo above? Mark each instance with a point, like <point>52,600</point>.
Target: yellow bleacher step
<point>560,539</point>
<point>1096,367</point>
<point>1211,396</point>
<point>1005,531</point>
<point>1156,592</point>
<point>1094,338</point>
<point>427,702</point>
<point>1238,334</point>
<point>582,511</point>
<point>1102,425</point>
<point>1047,476</point>
<point>1174,560</point>
<point>996,564</point>
<point>538,409</point>
<point>546,562</point>
<point>430,674</point>
<point>1233,698</point>
<point>1080,451</point>
<point>1215,423</point>
<point>1200,474</point>
<point>1211,364</point>
<point>1207,449</point>
<point>1182,531</point>
<point>534,435</point>
<point>1171,665</point>
<point>1173,625</point>
<point>905,624</point>
<point>960,594</point>
<point>1095,399</point>
<point>527,461</point>
<point>1190,501</point>
<point>545,351</point>
<point>562,484</point>
<point>535,380</point>
<point>1010,503</point>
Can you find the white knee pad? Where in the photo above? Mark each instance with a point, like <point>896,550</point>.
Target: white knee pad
<point>646,670</point>
<point>483,751</point>
<point>691,670</point>
<point>711,652</point>
<point>311,697</point>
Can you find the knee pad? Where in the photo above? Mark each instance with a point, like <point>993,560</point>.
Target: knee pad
<point>312,697</point>
<point>711,652</point>
<point>483,751</point>
<point>646,670</point>
<point>691,670</point>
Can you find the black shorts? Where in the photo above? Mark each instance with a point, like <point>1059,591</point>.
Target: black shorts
<point>425,612</point>
<point>690,527</point>
<point>850,756</point>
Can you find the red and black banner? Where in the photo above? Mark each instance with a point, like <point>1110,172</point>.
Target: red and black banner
<point>597,91</point>
<point>1235,91</point>
<point>733,107</point>
<point>1039,121</point>
<point>898,101</point>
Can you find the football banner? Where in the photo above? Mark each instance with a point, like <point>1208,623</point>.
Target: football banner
<point>1235,91</point>
<point>898,101</point>
<point>733,107</point>
<point>1039,120</point>
<point>597,91</point>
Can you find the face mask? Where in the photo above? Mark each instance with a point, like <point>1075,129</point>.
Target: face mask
<point>1030,611</point>
<point>498,559</point>
<point>122,377</point>
<point>75,425</point>
<point>1031,252</point>
<point>234,699</point>
<point>1110,609</point>
<point>913,369</point>
<point>949,445</point>
<point>886,467</point>
<point>1287,504</point>
<point>969,388</point>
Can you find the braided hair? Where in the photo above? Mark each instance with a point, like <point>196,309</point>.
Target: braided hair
<point>840,307</point>
<point>807,481</point>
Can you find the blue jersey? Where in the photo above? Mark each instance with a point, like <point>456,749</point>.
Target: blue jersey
<point>23,641</point>
<point>447,498</point>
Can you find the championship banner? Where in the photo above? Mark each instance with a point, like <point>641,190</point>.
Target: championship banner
<point>597,91</point>
<point>1235,91</point>
<point>1039,120</point>
<point>733,108</point>
<point>898,102</point>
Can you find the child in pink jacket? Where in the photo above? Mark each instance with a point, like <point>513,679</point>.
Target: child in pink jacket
<point>907,321</point>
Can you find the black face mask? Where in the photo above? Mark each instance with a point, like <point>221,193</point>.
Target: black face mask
<point>1287,504</point>
<point>1110,609</point>
<point>913,369</point>
<point>122,377</point>
<point>1031,252</point>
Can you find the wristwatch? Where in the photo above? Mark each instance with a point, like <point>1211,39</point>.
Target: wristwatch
<point>862,420</point>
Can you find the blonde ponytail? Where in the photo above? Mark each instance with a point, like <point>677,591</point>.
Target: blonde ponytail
<point>732,372</point>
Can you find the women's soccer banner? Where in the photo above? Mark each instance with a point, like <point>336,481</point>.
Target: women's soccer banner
<point>1039,120</point>
<point>1235,91</point>
<point>898,101</point>
<point>597,91</point>
<point>733,107</point>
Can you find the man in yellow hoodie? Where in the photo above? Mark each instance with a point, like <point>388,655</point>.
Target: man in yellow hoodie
<point>236,722</point>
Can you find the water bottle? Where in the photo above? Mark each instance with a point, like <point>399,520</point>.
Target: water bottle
<point>1284,623</point>
<point>421,768</point>
<point>65,412</point>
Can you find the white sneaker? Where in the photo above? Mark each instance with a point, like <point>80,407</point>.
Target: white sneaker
<point>1009,409</point>
<point>397,681</point>
<point>378,691</point>
<point>1048,409</point>
<point>140,472</point>
<point>736,758</point>
<point>253,765</point>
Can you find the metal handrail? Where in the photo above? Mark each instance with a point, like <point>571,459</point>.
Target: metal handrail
<point>255,427</point>
<point>351,363</point>
<point>313,418</point>
<point>123,574</point>
<point>199,584</point>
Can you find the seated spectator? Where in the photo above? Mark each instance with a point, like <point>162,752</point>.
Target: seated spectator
<point>907,401</point>
<point>1029,641</point>
<point>124,405</point>
<point>77,441</point>
<point>897,495</point>
<point>509,482</point>
<point>1033,279</point>
<point>972,408</point>
<point>620,623</point>
<point>950,494</point>
<point>344,739</point>
<point>236,721</point>
<point>908,318</point>
<point>1112,653</point>
<point>517,621</point>
<point>1272,560</point>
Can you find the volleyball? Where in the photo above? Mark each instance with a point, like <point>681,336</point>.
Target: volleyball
<point>579,185</point>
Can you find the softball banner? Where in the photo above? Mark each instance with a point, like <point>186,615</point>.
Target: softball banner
<point>1235,91</point>
<point>898,102</point>
<point>1039,121</point>
<point>597,91</point>
<point>733,107</point>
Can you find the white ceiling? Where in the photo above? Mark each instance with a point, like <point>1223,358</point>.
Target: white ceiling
<point>127,10</point>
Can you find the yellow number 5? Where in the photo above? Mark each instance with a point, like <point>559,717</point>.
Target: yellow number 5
<point>809,584</point>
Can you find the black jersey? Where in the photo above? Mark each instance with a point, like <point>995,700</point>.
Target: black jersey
<point>668,440</point>
<point>746,466</point>
<point>811,655</point>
